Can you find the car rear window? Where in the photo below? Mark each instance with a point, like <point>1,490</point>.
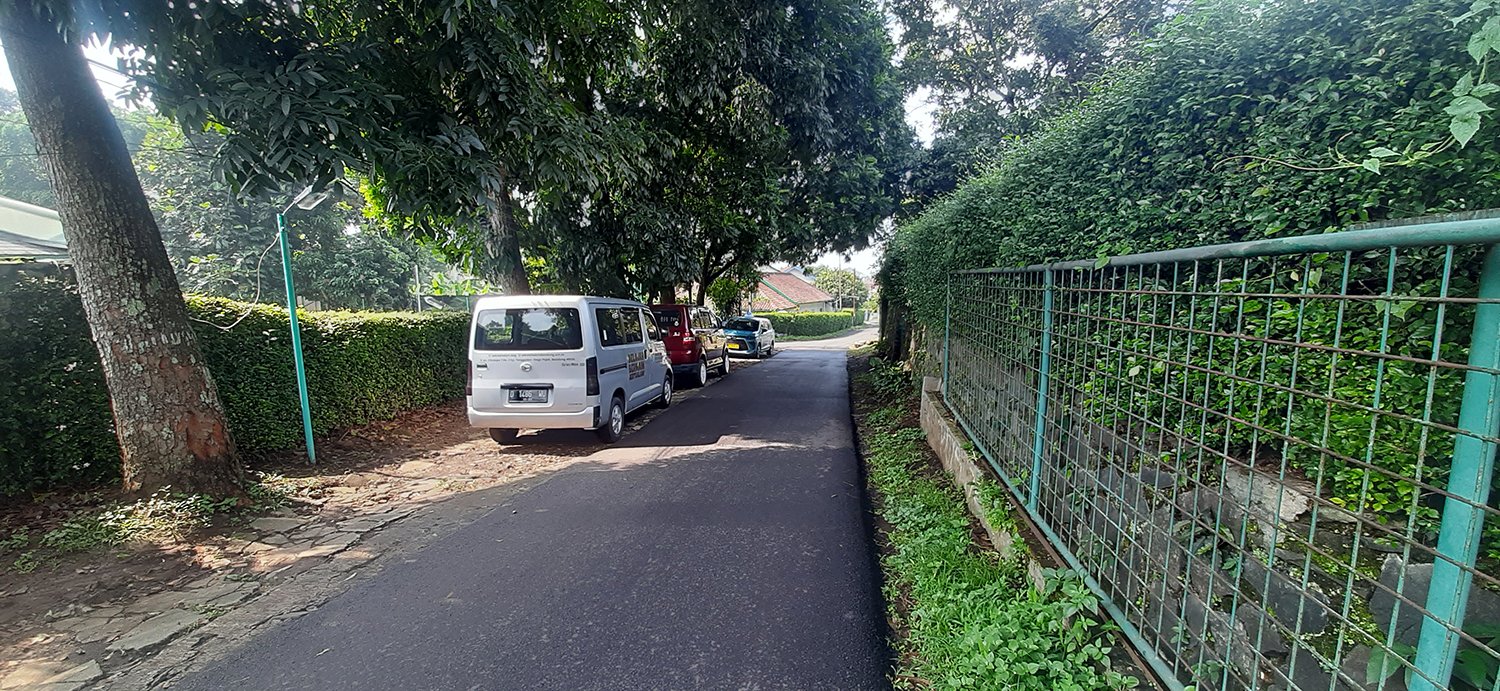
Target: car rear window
<point>742,325</point>
<point>533,328</point>
<point>669,319</point>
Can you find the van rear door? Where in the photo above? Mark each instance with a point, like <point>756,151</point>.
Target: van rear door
<point>528,359</point>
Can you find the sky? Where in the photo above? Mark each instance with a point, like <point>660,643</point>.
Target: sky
<point>109,82</point>
<point>919,114</point>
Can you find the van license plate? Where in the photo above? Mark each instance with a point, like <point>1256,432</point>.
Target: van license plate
<point>528,395</point>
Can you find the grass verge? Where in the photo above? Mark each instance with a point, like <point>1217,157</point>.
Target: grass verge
<point>823,337</point>
<point>962,617</point>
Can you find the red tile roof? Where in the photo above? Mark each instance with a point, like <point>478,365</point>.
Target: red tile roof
<point>784,291</point>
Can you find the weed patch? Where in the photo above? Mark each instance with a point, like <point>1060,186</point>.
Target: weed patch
<point>967,619</point>
<point>165,516</point>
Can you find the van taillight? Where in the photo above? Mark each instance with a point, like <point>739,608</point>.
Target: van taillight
<point>591,377</point>
<point>469,380</point>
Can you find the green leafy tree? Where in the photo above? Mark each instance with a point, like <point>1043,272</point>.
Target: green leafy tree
<point>453,112</point>
<point>785,140</point>
<point>225,245</point>
<point>844,285</point>
<point>995,69</point>
<point>23,175</point>
<point>168,417</point>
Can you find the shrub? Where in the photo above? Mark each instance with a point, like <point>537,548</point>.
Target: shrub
<point>361,366</point>
<point>811,323</point>
<point>1147,162</point>
<point>55,424</point>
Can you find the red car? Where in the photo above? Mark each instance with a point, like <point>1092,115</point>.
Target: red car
<point>695,341</point>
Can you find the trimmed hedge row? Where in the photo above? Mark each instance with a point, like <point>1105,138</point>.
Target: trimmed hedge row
<point>1148,162</point>
<point>361,366</point>
<point>55,422</point>
<point>811,323</point>
<point>1156,159</point>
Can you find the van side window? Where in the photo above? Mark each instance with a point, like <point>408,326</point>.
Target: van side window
<point>629,319</point>
<point>618,326</point>
<point>651,329</point>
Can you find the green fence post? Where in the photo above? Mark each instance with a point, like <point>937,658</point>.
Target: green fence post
<point>291,312</point>
<point>1044,376</point>
<point>1468,487</point>
<point>947,330</point>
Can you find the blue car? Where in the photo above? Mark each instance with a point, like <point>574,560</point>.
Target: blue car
<point>749,336</point>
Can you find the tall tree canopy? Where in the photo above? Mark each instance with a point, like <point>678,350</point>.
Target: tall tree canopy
<point>706,136</point>
<point>458,114</point>
<point>994,69</point>
<point>783,139</point>
<point>617,140</point>
<point>219,242</point>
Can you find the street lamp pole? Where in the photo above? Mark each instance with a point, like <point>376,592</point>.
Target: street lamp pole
<point>305,200</point>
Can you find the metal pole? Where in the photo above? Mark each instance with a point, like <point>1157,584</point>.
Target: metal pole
<point>416,284</point>
<point>291,310</point>
<point>1044,376</point>
<point>947,333</point>
<point>1468,488</point>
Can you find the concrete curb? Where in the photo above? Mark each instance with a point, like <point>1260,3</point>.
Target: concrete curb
<point>953,451</point>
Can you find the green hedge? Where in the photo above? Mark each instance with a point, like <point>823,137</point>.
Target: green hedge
<point>56,429</point>
<point>811,323</point>
<point>1145,163</point>
<point>361,366</point>
<point>55,423</point>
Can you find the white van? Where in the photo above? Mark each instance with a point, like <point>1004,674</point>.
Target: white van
<point>563,362</point>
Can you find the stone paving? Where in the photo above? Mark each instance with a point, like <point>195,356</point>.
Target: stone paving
<point>275,550</point>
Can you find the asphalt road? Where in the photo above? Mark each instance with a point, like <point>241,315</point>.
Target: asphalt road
<point>723,546</point>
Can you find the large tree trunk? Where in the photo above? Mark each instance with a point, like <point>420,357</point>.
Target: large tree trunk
<point>502,249</point>
<point>168,417</point>
<point>704,279</point>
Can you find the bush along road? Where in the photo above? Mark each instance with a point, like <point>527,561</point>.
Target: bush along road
<point>961,616</point>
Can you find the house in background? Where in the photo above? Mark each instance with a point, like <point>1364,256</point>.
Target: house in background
<point>802,272</point>
<point>30,233</point>
<point>781,291</point>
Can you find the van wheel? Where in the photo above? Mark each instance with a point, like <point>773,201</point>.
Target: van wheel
<point>666,392</point>
<point>700,376</point>
<point>614,422</point>
<point>724,363</point>
<point>503,436</point>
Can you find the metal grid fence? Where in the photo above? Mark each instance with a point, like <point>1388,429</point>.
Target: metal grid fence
<point>1274,460</point>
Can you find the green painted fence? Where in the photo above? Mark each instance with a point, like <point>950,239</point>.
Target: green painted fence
<point>1274,460</point>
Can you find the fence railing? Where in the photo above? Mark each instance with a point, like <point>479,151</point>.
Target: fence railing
<point>1273,460</point>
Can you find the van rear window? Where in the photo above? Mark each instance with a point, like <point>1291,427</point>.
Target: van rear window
<point>533,328</point>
